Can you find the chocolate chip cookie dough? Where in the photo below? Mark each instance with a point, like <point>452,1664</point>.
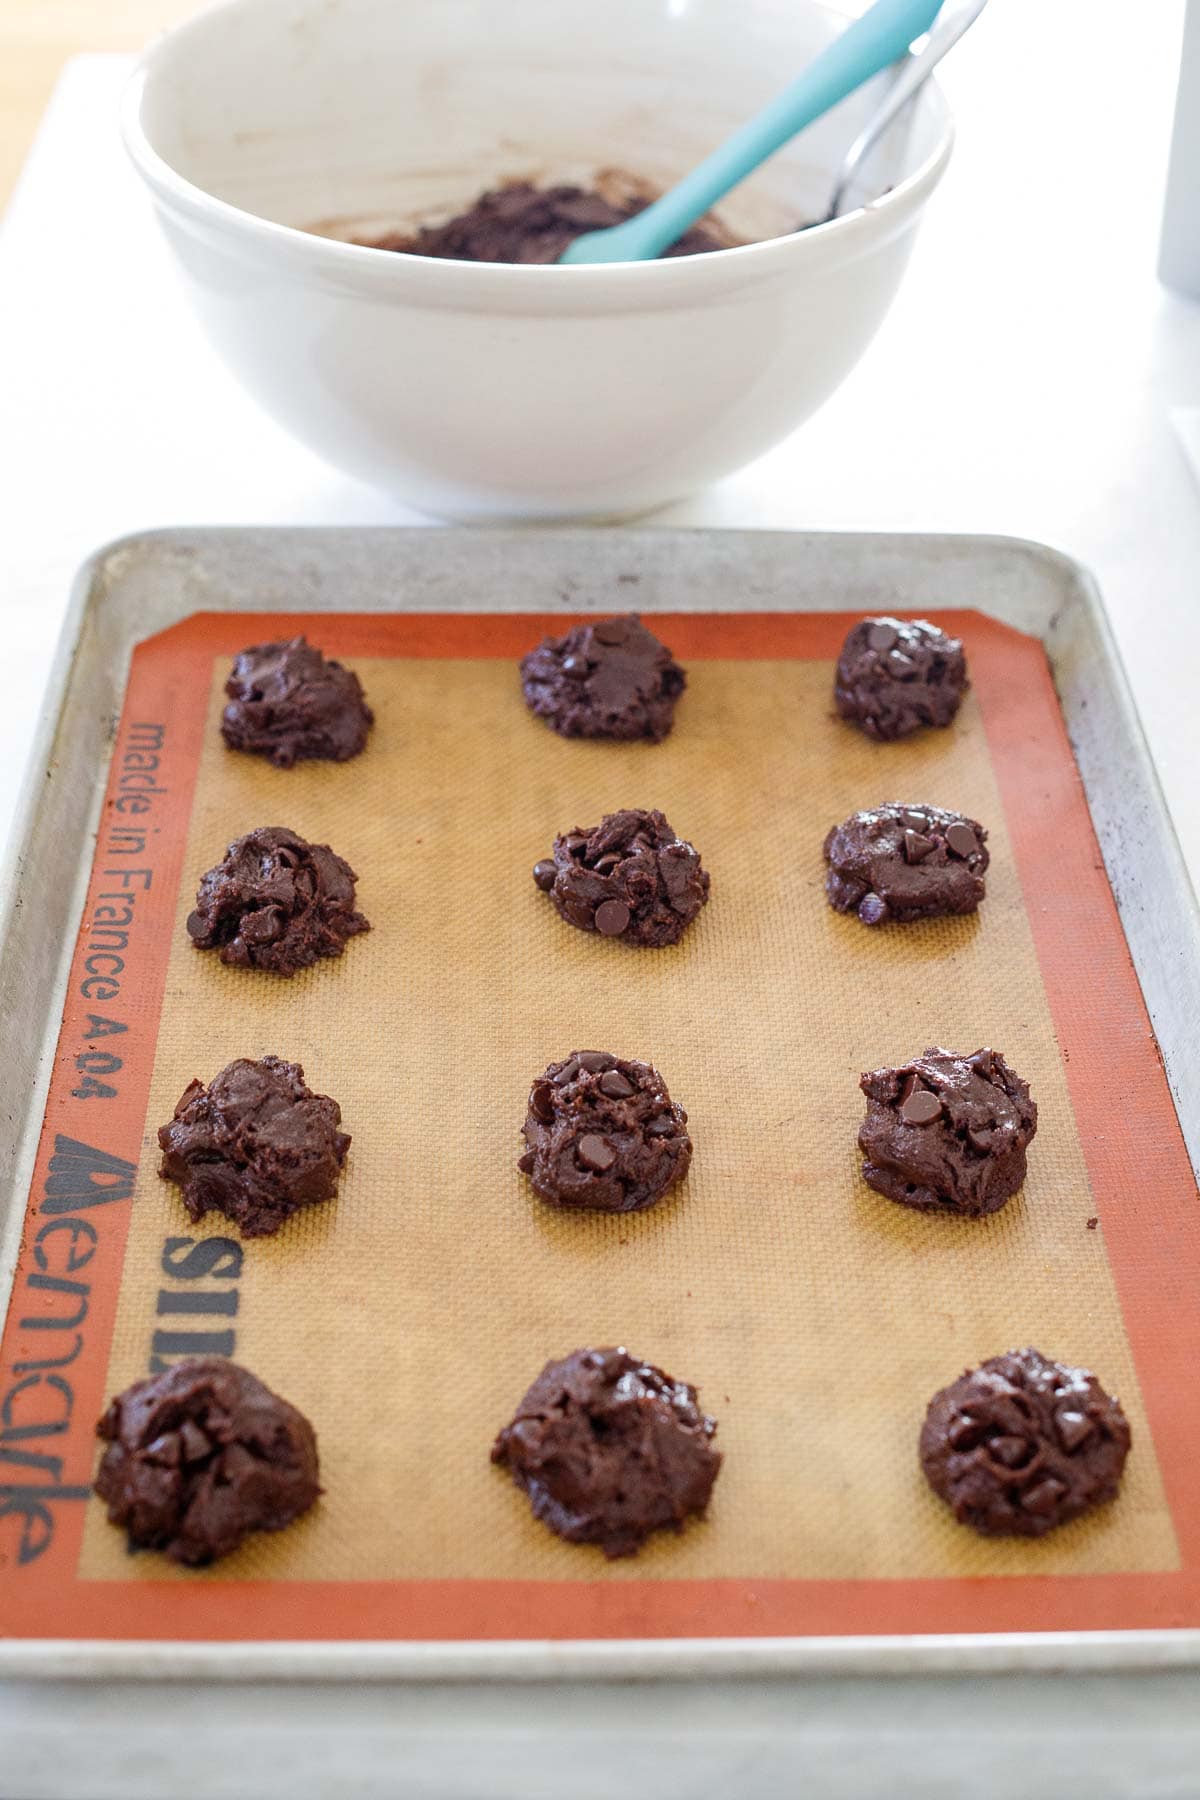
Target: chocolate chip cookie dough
<point>603,1133</point>
<point>287,702</point>
<point>612,679</point>
<point>523,223</point>
<point>947,1133</point>
<point>900,862</point>
<point>895,676</point>
<point>609,1449</point>
<point>629,877</point>
<point>255,1144</point>
<point>1022,1444</point>
<point>276,902</point>
<point>200,1456</point>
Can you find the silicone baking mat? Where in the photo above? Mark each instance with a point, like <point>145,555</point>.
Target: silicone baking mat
<point>407,1317</point>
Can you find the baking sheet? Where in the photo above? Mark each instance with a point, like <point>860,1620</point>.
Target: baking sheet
<point>793,1270</point>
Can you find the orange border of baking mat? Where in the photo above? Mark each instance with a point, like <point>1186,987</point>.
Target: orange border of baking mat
<point>47,1412</point>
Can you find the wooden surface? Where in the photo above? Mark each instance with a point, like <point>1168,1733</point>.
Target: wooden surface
<point>37,37</point>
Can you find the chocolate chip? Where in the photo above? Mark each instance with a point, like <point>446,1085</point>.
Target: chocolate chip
<point>916,847</point>
<point>603,864</point>
<point>921,1107</point>
<point>541,1102</point>
<point>575,843</point>
<point>567,1073</point>
<point>196,926</point>
<point>543,874</point>
<point>611,631</point>
<point>575,666</point>
<point>882,636</point>
<point>616,1086</point>
<point>916,821</point>
<point>164,1452</point>
<point>1073,1427</point>
<point>595,1061</point>
<point>596,1153</point>
<point>1010,1452</point>
<point>900,666</point>
<point>612,917</point>
<point>663,1126</point>
<point>962,842</point>
<point>195,1445</point>
<point>263,926</point>
<point>1042,1499</point>
<point>872,910</point>
<point>980,1137</point>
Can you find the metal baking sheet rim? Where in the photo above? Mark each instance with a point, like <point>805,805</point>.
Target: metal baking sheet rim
<point>1157,904</point>
<point>614,1659</point>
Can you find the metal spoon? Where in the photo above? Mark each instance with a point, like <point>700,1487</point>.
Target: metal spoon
<point>914,71</point>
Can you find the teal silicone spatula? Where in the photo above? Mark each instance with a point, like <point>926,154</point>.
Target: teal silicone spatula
<point>870,44</point>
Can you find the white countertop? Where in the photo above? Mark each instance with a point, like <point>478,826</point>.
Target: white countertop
<point>1024,383</point>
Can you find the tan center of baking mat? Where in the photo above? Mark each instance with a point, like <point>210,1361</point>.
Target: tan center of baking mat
<point>815,1317</point>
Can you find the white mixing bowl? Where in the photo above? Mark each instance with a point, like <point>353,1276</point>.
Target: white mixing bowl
<point>486,391</point>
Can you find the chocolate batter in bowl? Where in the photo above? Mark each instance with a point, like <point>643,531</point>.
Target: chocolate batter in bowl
<point>520,222</point>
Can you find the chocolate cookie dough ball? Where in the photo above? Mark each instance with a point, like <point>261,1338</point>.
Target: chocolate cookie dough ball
<point>200,1456</point>
<point>612,679</point>
<point>947,1133</point>
<point>1021,1445</point>
<point>286,701</point>
<point>276,902</point>
<point>900,862</point>
<point>603,1134</point>
<point>896,675</point>
<point>609,1449</point>
<point>629,877</point>
<point>255,1144</point>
